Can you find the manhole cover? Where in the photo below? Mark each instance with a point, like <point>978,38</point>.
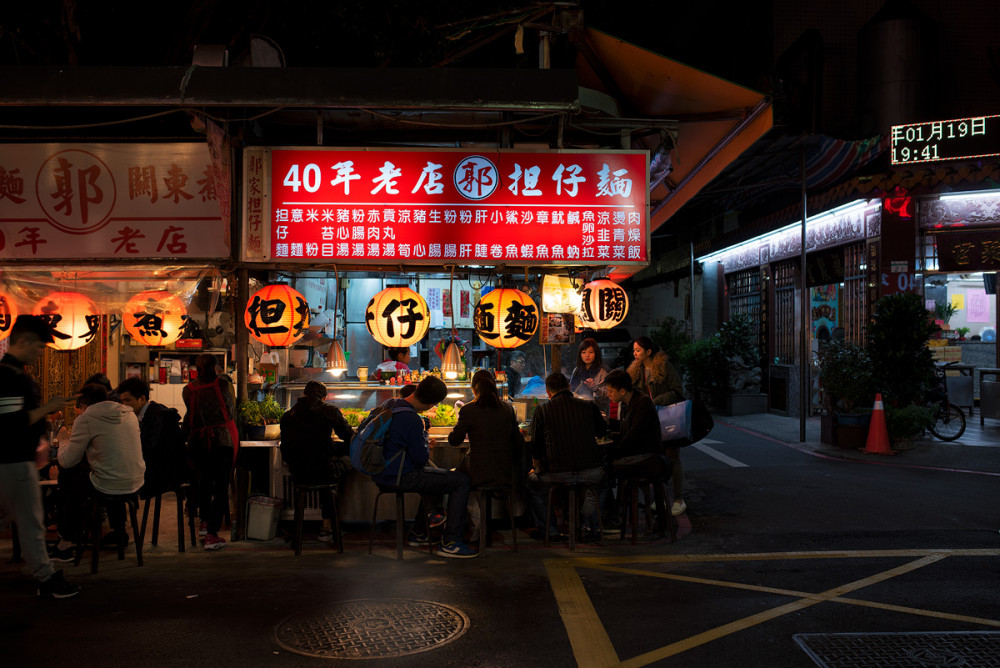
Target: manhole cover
<point>372,628</point>
<point>969,649</point>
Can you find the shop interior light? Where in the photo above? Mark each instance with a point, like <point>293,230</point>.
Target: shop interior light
<point>336,362</point>
<point>455,395</point>
<point>451,365</point>
<point>345,396</point>
<point>975,194</point>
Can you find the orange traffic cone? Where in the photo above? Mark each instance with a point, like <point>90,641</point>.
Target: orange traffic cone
<point>878,435</point>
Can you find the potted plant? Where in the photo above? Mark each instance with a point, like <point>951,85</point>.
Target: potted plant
<point>902,363</point>
<point>260,419</point>
<point>944,311</point>
<point>846,379</point>
<point>724,369</point>
<point>907,424</point>
<point>962,331</point>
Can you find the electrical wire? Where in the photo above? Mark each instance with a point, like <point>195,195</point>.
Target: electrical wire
<point>498,124</point>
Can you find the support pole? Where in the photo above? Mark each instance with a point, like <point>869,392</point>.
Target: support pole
<point>804,356</point>
<point>242,334</point>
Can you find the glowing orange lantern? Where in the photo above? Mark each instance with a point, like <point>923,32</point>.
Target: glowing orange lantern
<point>604,304</point>
<point>397,317</point>
<point>277,315</point>
<point>73,318</point>
<point>8,314</point>
<point>154,317</point>
<point>506,318</point>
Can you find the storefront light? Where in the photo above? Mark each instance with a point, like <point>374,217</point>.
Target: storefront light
<point>277,315</point>
<point>73,318</point>
<point>451,365</point>
<point>505,318</point>
<point>397,317</point>
<point>604,304</point>
<point>336,362</point>
<point>976,194</point>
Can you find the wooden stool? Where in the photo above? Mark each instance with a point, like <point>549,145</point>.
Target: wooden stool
<point>400,520</point>
<point>573,510</point>
<point>300,511</point>
<point>97,501</point>
<point>629,498</point>
<point>486,494</point>
<point>181,493</point>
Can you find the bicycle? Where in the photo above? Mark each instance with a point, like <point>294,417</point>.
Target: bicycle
<point>949,419</point>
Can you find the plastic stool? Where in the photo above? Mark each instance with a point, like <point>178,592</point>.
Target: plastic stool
<point>574,510</point>
<point>181,493</point>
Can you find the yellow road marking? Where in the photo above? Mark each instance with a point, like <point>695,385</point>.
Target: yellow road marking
<point>771,556</point>
<point>590,641</point>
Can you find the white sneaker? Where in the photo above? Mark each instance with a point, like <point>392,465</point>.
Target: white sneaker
<point>678,508</point>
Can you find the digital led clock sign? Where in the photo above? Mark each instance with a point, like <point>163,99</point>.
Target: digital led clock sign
<point>935,141</point>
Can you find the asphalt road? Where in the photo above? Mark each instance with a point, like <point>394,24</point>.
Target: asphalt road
<point>779,540</point>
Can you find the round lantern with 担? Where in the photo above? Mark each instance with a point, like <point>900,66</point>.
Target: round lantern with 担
<point>154,317</point>
<point>8,314</point>
<point>72,317</point>
<point>277,315</point>
<point>604,304</point>
<point>506,318</point>
<point>397,317</point>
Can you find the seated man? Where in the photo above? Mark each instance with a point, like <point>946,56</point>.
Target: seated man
<point>108,434</point>
<point>564,449</point>
<point>163,447</point>
<point>307,446</point>
<point>637,449</point>
<point>406,434</point>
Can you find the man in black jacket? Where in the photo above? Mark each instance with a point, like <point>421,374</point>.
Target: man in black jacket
<point>162,440</point>
<point>308,448</point>
<point>564,449</point>
<point>22,424</point>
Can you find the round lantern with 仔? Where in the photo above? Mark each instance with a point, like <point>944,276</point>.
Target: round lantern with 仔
<point>277,315</point>
<point>506,318</point>
<point>8,314</point>
<point>397,317</point>
<point>73,318</point>
<point>154,317</point>
<point>604,304</point>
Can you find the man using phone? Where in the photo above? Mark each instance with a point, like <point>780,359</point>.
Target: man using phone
<point>22,421</point>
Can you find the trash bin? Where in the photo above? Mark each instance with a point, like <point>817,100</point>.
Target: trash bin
<point>262,523</point>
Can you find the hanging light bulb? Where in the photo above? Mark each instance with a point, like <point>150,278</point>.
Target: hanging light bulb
<point>336,362</point>
<point>451,365</point>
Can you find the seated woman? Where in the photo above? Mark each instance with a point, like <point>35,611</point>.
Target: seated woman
<point>589,374</point>
<point>494,436</point>
<point>397,359</point>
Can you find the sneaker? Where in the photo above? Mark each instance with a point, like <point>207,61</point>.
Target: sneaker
<point>611,523</point>
<point>214,543</point>
<point>418,539</point>
<point>326,536</point>
<point>57,587</point>
<point>62,556</point>
<point>678,508</point>
<point>434,520</point>
<point>456,549</point>
<point>203,529</point>
<point>589,535</point>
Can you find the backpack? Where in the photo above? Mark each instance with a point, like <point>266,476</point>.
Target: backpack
<point>368,442</point>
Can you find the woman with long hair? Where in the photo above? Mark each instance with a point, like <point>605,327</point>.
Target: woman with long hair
<point>589,372</point>
<point>212,443</point>
<point>654,375</point>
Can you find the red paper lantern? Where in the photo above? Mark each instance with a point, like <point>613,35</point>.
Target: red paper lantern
<point>397,317</point>
<point>154,317</point>
<point>73,318</point>
<point>604,304</point>
<point>277,315</point>
<point>506,318</point>
<point>8,314</point>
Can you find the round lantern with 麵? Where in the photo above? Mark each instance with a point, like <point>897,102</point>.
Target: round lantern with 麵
<point>73,318</point>
<point>154,317</point>
<point>397,317</point>
<point>8,314</point>
<point>277,315</point>
<point>506,318</point>
<point>604,304</point>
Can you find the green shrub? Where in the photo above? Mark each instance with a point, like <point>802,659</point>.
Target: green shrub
<point>902,363</point>
<point>845,373</point>
<point>909,421</point>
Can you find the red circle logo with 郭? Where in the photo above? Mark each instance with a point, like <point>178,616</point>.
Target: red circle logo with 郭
<point>76,190</point>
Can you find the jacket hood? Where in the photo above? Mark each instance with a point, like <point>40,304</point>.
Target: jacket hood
<point>658,371</point>
<point>108,411</point>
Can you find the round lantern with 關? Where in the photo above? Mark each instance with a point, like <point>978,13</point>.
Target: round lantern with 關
<point>277,315</point>
<point>154,317</point>
<point>397,317</point>
<point>506,318</point>
<point>604,304</point>
<point>8,314</point>
<point>73,318</point>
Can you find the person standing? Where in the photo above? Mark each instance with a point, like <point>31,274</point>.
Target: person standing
<point>212,443</point>
<point>308,448</point>
<point>22,424</point>
<point>589,374</point>
<point>397,361</point>
<point>654,375</point>
<point>564,448</point>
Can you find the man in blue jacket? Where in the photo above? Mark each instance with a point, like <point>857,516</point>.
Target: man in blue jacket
<point>406,434</point>
<point>22,423</point>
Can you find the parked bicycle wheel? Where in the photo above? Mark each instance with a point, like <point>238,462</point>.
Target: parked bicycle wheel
<point>949,423</point>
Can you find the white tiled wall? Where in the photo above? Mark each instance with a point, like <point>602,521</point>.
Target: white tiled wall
<point>169,395</point>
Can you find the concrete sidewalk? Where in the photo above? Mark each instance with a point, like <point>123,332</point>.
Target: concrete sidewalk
<point>978,450</point>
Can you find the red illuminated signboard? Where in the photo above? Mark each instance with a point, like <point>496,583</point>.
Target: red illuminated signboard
<point>959,139</point>
<point>441,206</point>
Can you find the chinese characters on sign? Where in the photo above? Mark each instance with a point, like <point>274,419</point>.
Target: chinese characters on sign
<point>277,315</point>
<point>109,201</point>
<point>505,318</point>
<point>968,251</point>
<point>429,206</point>
<point>957,139</point>
<point>397,317</point>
